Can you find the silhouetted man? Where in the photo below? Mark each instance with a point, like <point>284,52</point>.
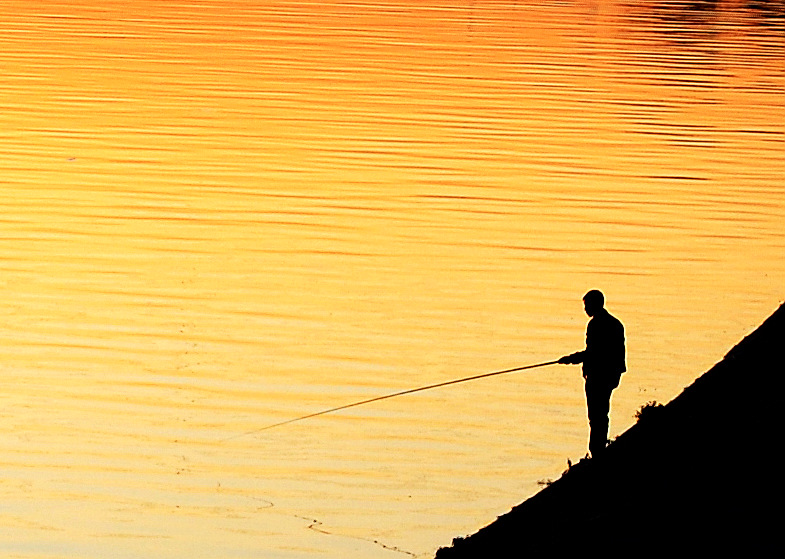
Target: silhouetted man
<point>603,364</point>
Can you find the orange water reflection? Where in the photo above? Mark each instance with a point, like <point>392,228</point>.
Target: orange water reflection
<point>217,215</point>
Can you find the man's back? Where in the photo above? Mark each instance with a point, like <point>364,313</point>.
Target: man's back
<point>605,352</point>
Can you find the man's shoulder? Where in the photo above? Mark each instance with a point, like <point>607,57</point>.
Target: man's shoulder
<point>614,319</point>
<point>606,319</point>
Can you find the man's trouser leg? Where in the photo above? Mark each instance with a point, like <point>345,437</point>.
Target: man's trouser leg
<point>598,403</point>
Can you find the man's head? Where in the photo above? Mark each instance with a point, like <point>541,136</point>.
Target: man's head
<point>593,302</point>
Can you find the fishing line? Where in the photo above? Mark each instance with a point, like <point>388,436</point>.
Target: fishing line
<point>393,395</point>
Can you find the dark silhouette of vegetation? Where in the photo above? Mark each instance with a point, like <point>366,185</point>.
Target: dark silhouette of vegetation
<point>648,411</point>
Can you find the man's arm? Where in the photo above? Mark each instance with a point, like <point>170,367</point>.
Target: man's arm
<point>573,358</point>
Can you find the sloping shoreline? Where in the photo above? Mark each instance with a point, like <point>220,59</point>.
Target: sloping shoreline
<point>699,474</point>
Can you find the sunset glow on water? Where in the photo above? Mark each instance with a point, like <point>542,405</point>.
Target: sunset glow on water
<point>219,215</point>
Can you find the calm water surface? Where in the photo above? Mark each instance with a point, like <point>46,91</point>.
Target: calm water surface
<point>221,215</point>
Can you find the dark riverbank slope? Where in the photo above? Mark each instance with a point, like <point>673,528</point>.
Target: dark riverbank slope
<point>698,475</point>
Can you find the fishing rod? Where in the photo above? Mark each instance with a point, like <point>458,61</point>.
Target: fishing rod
<point>393,395</point>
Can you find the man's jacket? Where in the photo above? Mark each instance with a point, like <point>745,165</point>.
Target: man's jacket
<point>604,358</point>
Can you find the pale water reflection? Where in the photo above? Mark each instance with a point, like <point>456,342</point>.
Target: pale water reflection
<point>217,216</point>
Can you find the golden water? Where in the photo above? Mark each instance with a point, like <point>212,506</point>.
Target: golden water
<point>218,215</point>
